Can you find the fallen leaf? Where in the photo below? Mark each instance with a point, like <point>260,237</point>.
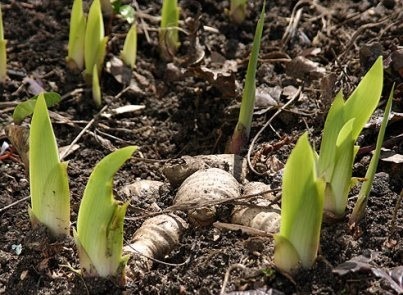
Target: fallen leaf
<point>302,68</point>
<point>122,110</point>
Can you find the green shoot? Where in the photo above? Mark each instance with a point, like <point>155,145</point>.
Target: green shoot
<point>237,11</point>
<point>242,129</point>
<point>344,123</point>
<point>75,55</point>
<point>3,52</point>
<point>168,34</point>
<point>126,12</point>
<point>99,235</point>
<point>301,210</point>
<point>50,195</point>
<point>359,208</point>
<point>129,52</point>
<point>26,108</point>
<point>96,88</point>
<point>95,41</point>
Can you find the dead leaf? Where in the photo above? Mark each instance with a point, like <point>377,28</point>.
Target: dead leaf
<point>355,264</point>
<point>19,138</point>
<point>122,110</point>
<point>388,155</point>
<point>33,86</point>
<point>70,150</point>
<point>263,99</point>
<point>223,79</point>
<point>361,263</point>
<point>121,72</point>
<point>302,68</point>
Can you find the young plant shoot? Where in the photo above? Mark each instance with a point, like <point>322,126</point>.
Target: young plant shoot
<point>96,88</point>
<point>95,42</point>
<point>344,123</point>
<point>49,187</point>
<point>3,52</point>
<point>168,34</point>
<point>242,129</point>
<point>129,52</point>
<point>359,207</point>
<point>99,235</point>
<point>297,243</point>
<point>75,55</point>
<point>237,11</point>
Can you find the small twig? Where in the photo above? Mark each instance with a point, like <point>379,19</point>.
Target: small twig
<point>67,150</point>
<point>72,93</point>
<point>145,26</point>
<point>227,274</point>
<point>14,203</point>
<point>295,96</point>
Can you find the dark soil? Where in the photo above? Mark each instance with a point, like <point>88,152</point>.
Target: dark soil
<point>187,113</point>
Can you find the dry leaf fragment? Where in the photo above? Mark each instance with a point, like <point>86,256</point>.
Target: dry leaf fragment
<point>124,109</point>
<point>19,136</point>
<point>302,68</point>
<point>361,263</point>
<point>223,79</point>
<point>388,155</point>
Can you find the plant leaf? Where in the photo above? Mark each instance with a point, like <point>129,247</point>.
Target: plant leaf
<point>94,35</point>
<point>242,128</point>
<point>78,22</point>
<point>129,52</point>
<point>334,122</point>
<point>100,219</point>
<point>50,196</point>
<point>26,108</point>
<point>365,98</point>
<point>128,13</point>
<point>359,207</point>
<point>168,33</point>
<point>301,205</point>
<point>336,201</point>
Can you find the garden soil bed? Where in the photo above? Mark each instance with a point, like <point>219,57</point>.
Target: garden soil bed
<point>187,111</point>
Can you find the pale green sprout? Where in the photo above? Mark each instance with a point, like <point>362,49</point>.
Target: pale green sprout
<point>297,243</point>
<point>95,41</point>
<point>363,195</point>
<point>99,235</point>
<point>3,51</point>
<point>129,52</point>
<point>96,88</point>
<point>237,11</point>
<point>242,129</point>
<point>344,123</point>
<point>49,187</point>
<point>168,33</point>
<point>75,54</point>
